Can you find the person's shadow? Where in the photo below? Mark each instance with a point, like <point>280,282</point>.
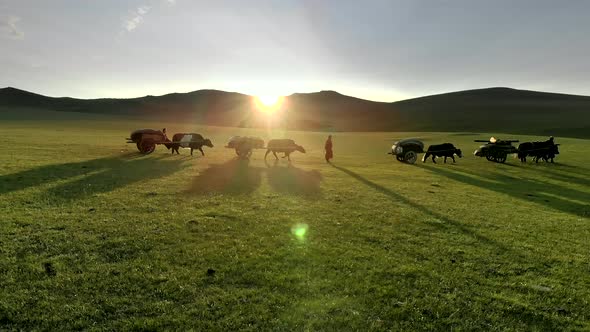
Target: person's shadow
<point>232,177</point>
<point>91,176</point>
<point>447,222</point>
<point>292,180</point>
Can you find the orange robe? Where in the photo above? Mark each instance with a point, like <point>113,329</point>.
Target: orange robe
<point>328,147</point>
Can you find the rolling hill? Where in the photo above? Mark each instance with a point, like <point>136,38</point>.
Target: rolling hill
<point>483,110</point>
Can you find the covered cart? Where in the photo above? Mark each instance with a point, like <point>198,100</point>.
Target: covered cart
<point>407,150</point>
<point>244,145</point>
<point>146,139</point>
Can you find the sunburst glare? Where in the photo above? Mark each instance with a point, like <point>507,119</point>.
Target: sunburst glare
<point>268,103</point>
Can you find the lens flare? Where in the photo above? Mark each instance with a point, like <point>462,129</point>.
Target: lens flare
<point>299,230</point>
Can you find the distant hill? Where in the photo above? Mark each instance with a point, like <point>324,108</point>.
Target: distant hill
<point>484,110</point>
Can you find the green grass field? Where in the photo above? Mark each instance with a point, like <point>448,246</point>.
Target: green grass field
<point>95,236</point>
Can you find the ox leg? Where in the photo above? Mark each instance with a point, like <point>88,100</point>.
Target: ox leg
<point>426,155</point>
<point>191,151</point>
<point>202,152</point>
<point>434,159</point>
<point>288,155</point>
<point>453,158</point>
<point>445,160</point>
<point>275,154</point>
<point>266,154</point>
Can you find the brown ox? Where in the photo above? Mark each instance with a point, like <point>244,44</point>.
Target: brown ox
<point>286,146</point>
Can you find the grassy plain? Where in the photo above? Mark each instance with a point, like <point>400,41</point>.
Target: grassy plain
<point>95,236</point>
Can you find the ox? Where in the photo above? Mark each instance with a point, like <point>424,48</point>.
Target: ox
<point>189,140</point>
<point>446,150</point>
<point>551,153</point>
<point>538,150</point>
<point>286,146</point>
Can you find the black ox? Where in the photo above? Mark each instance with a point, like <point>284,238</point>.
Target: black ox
<point>189,140</point>
<point>546,150</point>
<point>446,150</point>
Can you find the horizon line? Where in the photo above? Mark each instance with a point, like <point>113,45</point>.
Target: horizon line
<point>311,92</point>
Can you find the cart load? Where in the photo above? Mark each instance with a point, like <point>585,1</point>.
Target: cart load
<point>243,145</point>
<point>495,149</point>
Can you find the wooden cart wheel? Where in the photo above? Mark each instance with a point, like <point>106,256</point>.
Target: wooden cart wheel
<point>410,157</point>
<point>489,158</point>
<point>399,158</point>
<point>147,146</point>
<point>501,157</point>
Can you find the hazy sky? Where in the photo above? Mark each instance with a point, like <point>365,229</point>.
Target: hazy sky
<point>373,49</point>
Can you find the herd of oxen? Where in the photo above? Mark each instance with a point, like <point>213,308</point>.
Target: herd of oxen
<point>539,150</point>
<point>244,145</point>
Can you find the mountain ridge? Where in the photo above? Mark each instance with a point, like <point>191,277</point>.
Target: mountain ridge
<point>489,109</point>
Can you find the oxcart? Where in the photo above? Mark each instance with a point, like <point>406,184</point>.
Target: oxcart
<point>244,145</point>
<point>147,139</point>
<point>496,150</point>
<point>407,150</point>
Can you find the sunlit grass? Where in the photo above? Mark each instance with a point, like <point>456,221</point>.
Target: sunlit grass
<point>95,236</point>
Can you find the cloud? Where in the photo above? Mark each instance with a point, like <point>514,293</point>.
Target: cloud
<point>9,28</point>
<point>135,18</point>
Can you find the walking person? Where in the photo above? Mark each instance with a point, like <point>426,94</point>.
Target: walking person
<point>328,147</point>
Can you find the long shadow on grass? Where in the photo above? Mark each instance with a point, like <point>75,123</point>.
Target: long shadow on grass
<point>564,199</point>
<point>233,177</point>
<point>561,172</point>
<point>92,176</point>
<point>529,314</point>
<point>292,180</point>
<point>446,221</point>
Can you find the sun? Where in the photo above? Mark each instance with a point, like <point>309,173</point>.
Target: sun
<point>268,103</point>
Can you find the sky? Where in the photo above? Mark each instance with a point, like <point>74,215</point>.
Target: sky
<point>384,50</point>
